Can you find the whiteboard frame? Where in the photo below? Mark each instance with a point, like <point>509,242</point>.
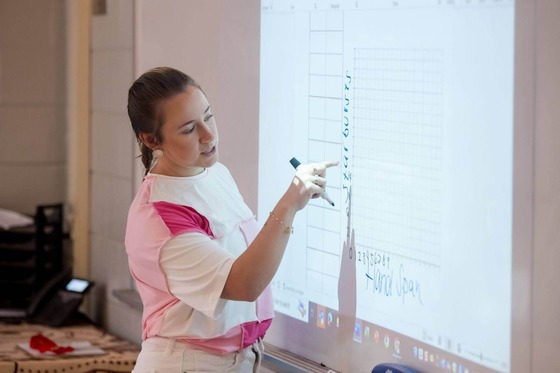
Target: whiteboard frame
<point>523,186</point>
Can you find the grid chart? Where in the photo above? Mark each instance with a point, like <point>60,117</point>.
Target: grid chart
<point>324,143</point>
<point>398,115</point>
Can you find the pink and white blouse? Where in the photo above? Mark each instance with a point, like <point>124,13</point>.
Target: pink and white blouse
<point>183,235</point>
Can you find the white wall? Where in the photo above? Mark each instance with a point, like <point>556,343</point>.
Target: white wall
<point>112,164</point>
<point>546,256</point>
<point>217,43</point>
<point>32,104</point>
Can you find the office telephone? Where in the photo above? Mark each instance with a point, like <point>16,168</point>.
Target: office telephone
<point>59,306</point>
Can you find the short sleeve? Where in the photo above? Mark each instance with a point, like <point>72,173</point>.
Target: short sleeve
<point>196,269</point>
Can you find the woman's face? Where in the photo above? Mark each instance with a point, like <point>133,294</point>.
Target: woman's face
<point>189,135</point>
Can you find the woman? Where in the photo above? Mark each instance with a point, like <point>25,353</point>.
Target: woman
<point>201,264</point>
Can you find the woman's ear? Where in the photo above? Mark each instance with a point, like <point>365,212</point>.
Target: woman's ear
<point>149,140</point>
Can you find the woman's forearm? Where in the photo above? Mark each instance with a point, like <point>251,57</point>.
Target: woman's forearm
<point>254,269</point>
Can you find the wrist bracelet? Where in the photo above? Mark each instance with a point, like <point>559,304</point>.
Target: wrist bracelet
<point>288,229</point>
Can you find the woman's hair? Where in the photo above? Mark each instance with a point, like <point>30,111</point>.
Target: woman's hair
<point>145,97</point>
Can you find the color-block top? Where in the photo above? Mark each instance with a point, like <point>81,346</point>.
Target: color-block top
<point>183,235</point>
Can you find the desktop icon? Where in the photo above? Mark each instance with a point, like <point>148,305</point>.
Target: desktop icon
<point>376,336</point>
<point>301,308</point>
<point>397,346</point>
<point>358,331</point>
<point>321,317</point>
<point>386,341</point>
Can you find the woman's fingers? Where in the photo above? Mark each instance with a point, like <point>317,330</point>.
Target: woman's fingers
<point>320,181</point>
<point>309,182</point>
<point>329,164</point>
<point>320,168</point>
<point>309,185</point>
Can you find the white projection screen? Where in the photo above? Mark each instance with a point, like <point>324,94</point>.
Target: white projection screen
<point>416,262</point>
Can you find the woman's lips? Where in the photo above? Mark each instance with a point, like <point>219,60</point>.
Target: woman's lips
<point>210,152</point>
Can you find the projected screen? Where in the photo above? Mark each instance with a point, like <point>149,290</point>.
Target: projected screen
<point>415,99</point>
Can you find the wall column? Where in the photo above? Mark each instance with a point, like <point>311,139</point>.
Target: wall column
<point>78,13</point>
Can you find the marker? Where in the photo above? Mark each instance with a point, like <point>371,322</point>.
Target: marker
<point>324,195</point>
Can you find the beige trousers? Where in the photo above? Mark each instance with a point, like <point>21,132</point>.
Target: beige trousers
<point>166,355</point>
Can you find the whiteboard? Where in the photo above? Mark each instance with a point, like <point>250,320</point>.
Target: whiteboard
<point>416,101</point>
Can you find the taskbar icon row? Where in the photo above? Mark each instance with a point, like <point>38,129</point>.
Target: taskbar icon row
<point>392,346</point>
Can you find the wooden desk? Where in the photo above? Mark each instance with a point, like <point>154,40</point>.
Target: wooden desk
<point>120,355</point>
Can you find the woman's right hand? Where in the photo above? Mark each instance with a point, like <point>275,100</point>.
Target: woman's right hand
<point>309,182</point>
<point>253,270</point>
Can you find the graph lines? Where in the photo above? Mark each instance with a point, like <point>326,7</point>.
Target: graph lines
<point>398,108</point>
<point>326,50</point>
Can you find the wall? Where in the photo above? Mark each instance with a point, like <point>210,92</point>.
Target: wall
<point>112,163</point>
<point>546,256</point>
<point>217,43</point>
<point>32,104</point>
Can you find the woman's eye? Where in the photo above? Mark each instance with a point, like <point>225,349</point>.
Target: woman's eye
<point>208,117</point>
<point>190,130</point>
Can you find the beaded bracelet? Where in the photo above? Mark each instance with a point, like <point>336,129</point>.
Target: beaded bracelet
<point>288,228</point>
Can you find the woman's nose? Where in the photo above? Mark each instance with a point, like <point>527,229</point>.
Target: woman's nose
<point>206,133</point>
